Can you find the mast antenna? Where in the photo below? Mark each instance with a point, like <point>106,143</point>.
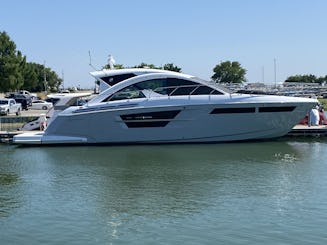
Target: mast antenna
<point>90,63</point>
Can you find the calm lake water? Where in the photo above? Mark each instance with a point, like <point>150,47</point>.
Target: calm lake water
<point>245,193</point>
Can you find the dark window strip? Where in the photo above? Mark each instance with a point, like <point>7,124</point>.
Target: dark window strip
<point>151,115</point>
<point>233,110</point>
<point>146,124</point>
<point>276,109</point>
<point>112,80</point>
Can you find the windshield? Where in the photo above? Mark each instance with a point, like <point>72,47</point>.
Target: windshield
<point>3,102</point>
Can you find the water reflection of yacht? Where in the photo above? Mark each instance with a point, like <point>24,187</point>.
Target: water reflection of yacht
<point>153,106</point>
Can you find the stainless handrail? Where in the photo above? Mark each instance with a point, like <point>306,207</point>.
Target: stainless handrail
<point>183,86</point>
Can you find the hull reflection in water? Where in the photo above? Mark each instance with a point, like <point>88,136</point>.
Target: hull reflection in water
<point>254,193</point>
<point>163,180</point>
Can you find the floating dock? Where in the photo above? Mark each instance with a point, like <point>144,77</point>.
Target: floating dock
<point>7,136</point>
<point>310,131</point>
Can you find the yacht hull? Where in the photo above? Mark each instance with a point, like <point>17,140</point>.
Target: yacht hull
<point>203,123</point>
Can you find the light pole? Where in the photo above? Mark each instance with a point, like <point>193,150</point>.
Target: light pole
<point>45,79</point>
<point>275,72</point>
<point>263,74</point>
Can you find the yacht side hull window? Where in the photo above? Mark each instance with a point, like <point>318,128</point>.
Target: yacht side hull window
<point>149,119</point>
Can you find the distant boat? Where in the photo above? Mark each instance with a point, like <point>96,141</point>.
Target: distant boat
<point>144,106</point>
<point>61,101</point>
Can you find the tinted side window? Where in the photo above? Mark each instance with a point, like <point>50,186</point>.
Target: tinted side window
<point>130,92</point>
<point>112,80</point>
<point>169,86</point>
<point>180,86</point>
<point>183,90</point>
<point>152,84</point>
<point>173,82</point>
<point>202,90</point>
<point>157,85</point>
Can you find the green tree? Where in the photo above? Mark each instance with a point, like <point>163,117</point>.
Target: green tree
<point>172,67</point>
<point>145,65</point>
<point>52,80</point>
<point>116,66</point>
<point>30,77</point>
<point>302,79</point>
<point>16,73</point>
<point>12,63</point>
<point>168,66</point>
<point>229,72</point>
<point>322,80</point>
<point>46,79</point>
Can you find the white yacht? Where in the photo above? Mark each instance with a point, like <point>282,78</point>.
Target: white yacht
<point>144,106</point>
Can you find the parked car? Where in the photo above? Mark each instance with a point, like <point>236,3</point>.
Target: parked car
<point>25,100</point>
<point>41,105</point>
<point>8,106</point>
<point>33,96</point>
<point>9,95</point>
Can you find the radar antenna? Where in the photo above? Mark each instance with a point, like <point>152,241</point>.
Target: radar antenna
<point>111,62</point>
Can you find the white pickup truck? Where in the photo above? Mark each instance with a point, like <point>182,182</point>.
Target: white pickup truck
<point>9,106</point>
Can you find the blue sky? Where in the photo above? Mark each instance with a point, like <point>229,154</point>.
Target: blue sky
<point>194,35</point>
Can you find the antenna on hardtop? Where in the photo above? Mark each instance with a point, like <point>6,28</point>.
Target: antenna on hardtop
<point>90,64</point>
